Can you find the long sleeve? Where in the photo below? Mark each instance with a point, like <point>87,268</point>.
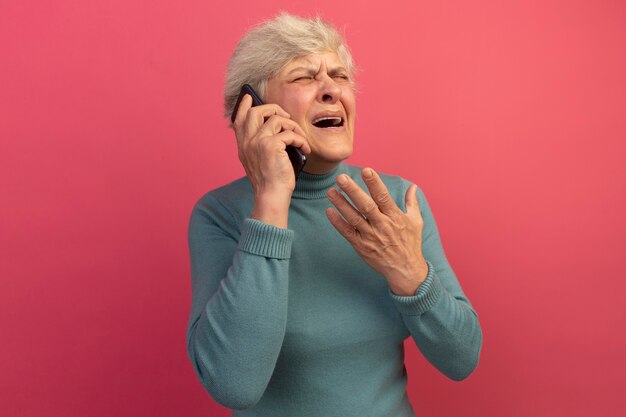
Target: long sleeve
<point>439,317</point>
<point>239,302</point>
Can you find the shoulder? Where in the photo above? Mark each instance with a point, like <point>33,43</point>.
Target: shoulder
<point>228,204</point>
<point>231,194</point>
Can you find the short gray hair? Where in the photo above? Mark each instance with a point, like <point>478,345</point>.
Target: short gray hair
<point>268,47</point>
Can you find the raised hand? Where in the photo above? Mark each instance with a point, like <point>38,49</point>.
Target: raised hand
<point>388,240</point>
<point>263,133</point>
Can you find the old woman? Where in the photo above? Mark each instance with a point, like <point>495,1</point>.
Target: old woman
<point>304,290</point>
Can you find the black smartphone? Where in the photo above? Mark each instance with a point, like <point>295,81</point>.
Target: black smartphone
<point>296,156</point>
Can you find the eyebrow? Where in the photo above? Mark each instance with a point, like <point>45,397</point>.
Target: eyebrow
<point>313,71</point>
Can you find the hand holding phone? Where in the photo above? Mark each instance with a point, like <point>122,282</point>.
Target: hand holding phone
<point>297,158</point>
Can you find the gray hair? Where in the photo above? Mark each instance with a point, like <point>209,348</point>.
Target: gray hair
<point>268,47</point>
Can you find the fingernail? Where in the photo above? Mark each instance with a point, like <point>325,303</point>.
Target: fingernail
<point>367,173</point>
<point>342,180</point>
<point>332,193</point>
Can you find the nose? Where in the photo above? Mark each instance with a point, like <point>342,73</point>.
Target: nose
<point>329,91</point>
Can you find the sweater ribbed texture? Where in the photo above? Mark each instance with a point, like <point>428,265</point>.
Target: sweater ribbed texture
<point>265,240</point>
<point>425,296</point>
<point>311,187</point>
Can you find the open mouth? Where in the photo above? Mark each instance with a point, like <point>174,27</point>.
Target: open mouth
<point>327,122</point>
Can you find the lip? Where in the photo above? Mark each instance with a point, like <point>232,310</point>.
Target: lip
<point>329,113</point>
<point>333,129</point>
<point>330,129</point>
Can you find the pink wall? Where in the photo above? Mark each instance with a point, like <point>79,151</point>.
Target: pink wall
<point>510,115</point>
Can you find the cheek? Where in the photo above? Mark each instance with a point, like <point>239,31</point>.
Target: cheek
<point>296,107</point>
<point>350,101</point>
<point>298,114</point>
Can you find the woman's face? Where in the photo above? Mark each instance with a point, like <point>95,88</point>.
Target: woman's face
<point>316,91</point>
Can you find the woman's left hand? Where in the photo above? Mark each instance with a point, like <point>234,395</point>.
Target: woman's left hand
<point>388,240</point>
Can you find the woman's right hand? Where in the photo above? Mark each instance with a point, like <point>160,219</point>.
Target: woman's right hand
<point>263,133</point>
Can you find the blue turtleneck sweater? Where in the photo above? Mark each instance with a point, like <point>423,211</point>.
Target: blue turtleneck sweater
<point>291,322</point>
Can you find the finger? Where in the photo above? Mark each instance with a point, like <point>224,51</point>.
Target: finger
<point>299,130</point>
<point>379,192</point>
<point>288,124</point>
<point>359,197</point>
<point>352,215</point>
<point>412,205</point>
<point>244,105</point>
<point>344,228</point>
<point>258,114</point>
<point>290,138</point>
<point>278,123</point>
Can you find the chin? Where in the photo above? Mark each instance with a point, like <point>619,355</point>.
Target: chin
<point>335,152</point>
<point>326,159</point>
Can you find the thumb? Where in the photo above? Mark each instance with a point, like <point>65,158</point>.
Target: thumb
<point>412,205</point>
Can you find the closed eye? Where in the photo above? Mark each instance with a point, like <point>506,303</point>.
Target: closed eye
<point>303,78</point>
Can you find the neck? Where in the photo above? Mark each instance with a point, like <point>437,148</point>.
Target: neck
<point>314,186</point>
<point>320,168</point>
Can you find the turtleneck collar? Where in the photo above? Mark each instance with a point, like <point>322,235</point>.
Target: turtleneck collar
<point>310,186</point>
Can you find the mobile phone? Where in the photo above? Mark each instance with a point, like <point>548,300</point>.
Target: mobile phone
<point>296,156</point>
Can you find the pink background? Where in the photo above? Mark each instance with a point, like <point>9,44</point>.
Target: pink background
<point>509,114</point>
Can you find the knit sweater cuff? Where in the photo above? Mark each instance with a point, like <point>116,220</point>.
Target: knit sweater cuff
<point>265,240</point>
<point>425,297</point>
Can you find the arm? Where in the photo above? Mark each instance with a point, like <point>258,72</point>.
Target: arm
<point>239,304</point>
<point>440,318</point>
<point>404,247</point>
<point>240,277</point>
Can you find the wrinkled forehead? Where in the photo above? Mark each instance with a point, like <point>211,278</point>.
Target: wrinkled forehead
<point>315,62</point>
